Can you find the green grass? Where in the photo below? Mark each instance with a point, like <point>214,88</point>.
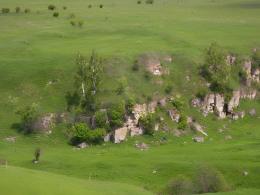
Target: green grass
<point>29,182</point>
<point>36,48</point>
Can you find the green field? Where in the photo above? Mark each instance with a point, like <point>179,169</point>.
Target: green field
<point>36,48</point>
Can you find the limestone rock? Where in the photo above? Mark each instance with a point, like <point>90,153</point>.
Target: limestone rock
<point>252,112</point>
<point>248,94</point>
<point>162,102</point>
<point>196,102</point>
<point>139,110</point>
<point>11,139</point>
<point>152,106</point>
<point>82,145</point>
<point>44,123</point>
<point>174,115</point>
<point>198,139</point>
<point>209,103</point>
<point>256,75</point>
<point>219,106</point>
<point>142,146</point>
<point>234,102</point>
<point>230,60</point>
<point>120,135</point>
<point>107,138</point>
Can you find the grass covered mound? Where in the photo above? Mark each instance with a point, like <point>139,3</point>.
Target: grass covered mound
<point>37,182</point>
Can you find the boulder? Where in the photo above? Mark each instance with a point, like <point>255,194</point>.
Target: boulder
<point>152,106</point>
<point>256,75</point>
<point>228,137</point>
<point>44,123</point>
<point>209,103</point>
<point>162,102</point>
<point>196,102</point>
<point>82,145</point>
<point>234,101</point>
<point>174,115</point>
<point>198,139</point>
<point>107,138</point>
<point>11,139</point>
<point>252,112</point>
<point>139,110</point>
<point>120,135</point>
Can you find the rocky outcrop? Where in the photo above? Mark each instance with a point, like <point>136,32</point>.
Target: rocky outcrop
<point>209,103</point>
<point>230,60</point>
<point>256,75</point>
<point>174,115</point>
<point>44,123</point>
<point>248,94</point>
<point>234,101</point>
<point>219,106</point>
<point>120,134</point>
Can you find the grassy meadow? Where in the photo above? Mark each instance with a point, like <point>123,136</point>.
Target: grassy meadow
<point>36,48</point>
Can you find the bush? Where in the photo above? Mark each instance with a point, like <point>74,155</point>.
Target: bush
<point>148,123</point>
<point>5,10</point>
<point>256,59</point>
<point>51,7</point>
<point>28,115</point>
<point>139,2</point>
<point>116,115</point>
<point>183,122</point>
<point>149,1</point>
<point>122,86</point>
<point>72,15</point>
<point>101,6</point>
<point>27,10</point>
<point>209,180</point>
<point>178,104</point>
<point>56,14</point>
<point>80,23</point>
<point>37,154</point>
<point>101,120</point>
<point>179,186</point>
<point>73,23</point>
<point>147,75</point>
<point>81,132</point>
<point>135,66</point>
<point>64,7</point>
<point>168,89</point>
<point>17,10</point>
<point>89,6</point>
<point>130,102</point>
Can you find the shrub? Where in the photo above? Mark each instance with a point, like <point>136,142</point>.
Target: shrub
<point>73,23</point>
<point>139,2</point>
<point>64,7</point>
<point>27,10</point>
<point>5,10</point>
<point>89,6</point>
<point>209,180</point>
<point>149,1</point>
<point>80,23</point>
<point>37,154</point>
<point>101,6</point>
<point>148,123</point>
<point>168,89</point>
<point>17,10</point>
<point>72,15</point>
<point>147,75</point>
<point>135,66</point>
<point>56,14</point>
<point>183,122</point>
<point>130,102</point>
<point>28,115</point>
<point>179,186</point>
<point>178,104</point>
<point>51,7</point>
<point>116,114</point>
<point>81,132</point>
<point>101,120</point>
<point>201,93</point>
<point>122,86</point>
<point>256,59</point>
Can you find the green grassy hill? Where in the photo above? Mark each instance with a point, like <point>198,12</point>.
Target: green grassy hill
<point>36,48</point>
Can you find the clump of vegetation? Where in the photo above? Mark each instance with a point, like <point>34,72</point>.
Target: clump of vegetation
<point>27,10</point>
<point>56,14</point>
<point>116,114</point>
<point>101,120</point>
<point>147,75</point>
<point>28,115</point>
<point>168,89</point>
<point>89,6</point>
<point>139,2</point>
<point>130,102</point>
<point>51,7</point>
<point>180,185</point>
<point>256,59</point>
<point>135,66</point>
<point>64,7</point>
<point>72,15</point>
<point>37,155</point>
<point>182,122</point>
<point>177,103</point>
<point>80,132</point>
<point>149,2</point>
<point>101,6</point>
<point>5,10</point>
<point>73,23</point>
<point>209,180</point>
<point>80,23</point>
<point>17,10</point>
<point>122,86</point>
<point>215,70</point>
<point>148,123</point>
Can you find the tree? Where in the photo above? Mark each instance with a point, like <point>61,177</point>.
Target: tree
<point>88,78</point>
<point>116,114</point>
<point>215,68</point>
<point>28,115</point>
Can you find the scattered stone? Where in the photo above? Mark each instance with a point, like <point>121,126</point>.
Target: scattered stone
<point>82,145</point>
<point>120,135</point>
<point>198,139</point>
<point>10,139</point>
<point>252,112</point>
<point>228,137</point>
<point>142,146</point>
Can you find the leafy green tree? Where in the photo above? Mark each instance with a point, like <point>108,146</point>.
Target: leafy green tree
<point>215,68</point>
<point>28,115</point>
<point>116,114</point>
